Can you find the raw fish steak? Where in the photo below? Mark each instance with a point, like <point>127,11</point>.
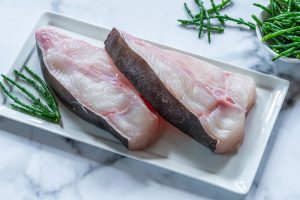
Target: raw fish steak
<point>200,99</point>
<point>86,80</point>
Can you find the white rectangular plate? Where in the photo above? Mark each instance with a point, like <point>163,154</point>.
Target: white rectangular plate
<point>174,150</point>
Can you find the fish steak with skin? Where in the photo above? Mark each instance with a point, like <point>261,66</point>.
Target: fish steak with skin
<point>200,99</point>
<point>86,80</point>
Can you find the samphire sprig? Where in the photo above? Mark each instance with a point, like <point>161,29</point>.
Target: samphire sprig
<point>281,30</point>
<point>203,19</point>
<point>47,111</point>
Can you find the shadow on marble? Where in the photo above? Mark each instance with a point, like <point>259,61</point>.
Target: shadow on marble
<point>287,71</point>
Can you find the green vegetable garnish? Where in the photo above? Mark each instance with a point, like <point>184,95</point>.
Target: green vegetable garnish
<point>281,30</point>
<point>202,20</point>
<point>48,111</point>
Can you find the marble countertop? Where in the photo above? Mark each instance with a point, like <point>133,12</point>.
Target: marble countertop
<point>39,165</point>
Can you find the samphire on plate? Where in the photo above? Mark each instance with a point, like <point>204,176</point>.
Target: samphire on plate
<point>198,98</point>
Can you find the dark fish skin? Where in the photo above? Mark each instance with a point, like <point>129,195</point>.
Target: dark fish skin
<point>140,74</point>
<point>73,105</point>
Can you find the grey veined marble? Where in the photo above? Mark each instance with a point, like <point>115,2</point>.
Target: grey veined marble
<point>39,165</point>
